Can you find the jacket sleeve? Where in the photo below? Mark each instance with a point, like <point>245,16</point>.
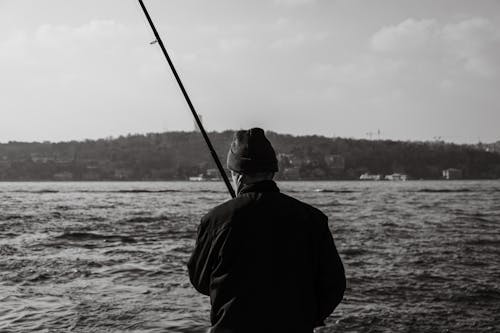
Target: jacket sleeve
<point>200,263</point>
<point>331,276</point>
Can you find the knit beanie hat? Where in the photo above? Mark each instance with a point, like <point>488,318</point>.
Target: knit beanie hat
<point>251,152</point>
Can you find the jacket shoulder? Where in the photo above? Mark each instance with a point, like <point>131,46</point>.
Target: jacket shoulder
<point>223,214</point>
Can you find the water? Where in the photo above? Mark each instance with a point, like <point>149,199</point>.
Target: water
<point>110,257</point>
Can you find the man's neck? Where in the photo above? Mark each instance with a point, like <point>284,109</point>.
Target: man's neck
<point>263,185</point>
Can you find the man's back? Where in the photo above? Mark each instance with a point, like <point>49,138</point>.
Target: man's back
<point>268,263</point>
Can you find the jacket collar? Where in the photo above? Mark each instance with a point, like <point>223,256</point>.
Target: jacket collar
<point>262,186</point>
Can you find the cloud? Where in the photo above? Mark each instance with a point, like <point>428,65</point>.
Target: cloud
<point>94,48</point>
<point>290,41</point>
<point>408,35</point>
<point>94,31</point>
<point>299,39</point>
<point>417,70</point>
<point>54,45</point>
<point>473,44</point>
<point>14,46</point>
<point>232,44</point>
<point>78,74</point>
<point>294,2</point>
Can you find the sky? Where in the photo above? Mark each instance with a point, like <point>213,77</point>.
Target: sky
<point>413,70</point>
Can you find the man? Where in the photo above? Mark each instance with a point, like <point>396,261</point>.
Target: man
<point>267,261</point>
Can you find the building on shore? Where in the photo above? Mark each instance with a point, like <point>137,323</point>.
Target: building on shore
<point>41,158</point>
<point>397,177</point>
<point>452,173</point>
<point>209,175</point>
<point>199,178</point>
<point>367,176</point>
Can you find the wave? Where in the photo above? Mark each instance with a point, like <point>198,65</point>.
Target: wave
<point>331,203</point>
<point>37,277</point>
<point>101,206</point>
<point>159,191</point>
<point>322,190</point>
<point>143,191</point>
<point>92,218</point>
<point>35,191</point>
<point>443,190</point>
<point>475,295</point>
<point>8,250</point>
<point>483,241</point>
<point>125,191</point>
<point>141,219</point>
<point>353,252</point>
<point>129,269</point>
<point>113,191</point>
<point>86,236</point>
<point>10,217</point>
<point>477,218</point>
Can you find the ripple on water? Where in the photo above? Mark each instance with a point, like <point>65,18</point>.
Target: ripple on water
<point>97,257</point>
<point>31,312</point>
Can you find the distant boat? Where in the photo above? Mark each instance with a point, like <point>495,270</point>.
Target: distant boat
<point>367,176</point>
<point>198,178</point>
<point>397,177</point>
<point>203,178</point>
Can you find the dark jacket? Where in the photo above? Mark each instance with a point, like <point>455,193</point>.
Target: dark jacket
<point>268,263</point>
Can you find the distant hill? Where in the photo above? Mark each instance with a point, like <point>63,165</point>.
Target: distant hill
<point>493,147</point>
<point>179,155</point>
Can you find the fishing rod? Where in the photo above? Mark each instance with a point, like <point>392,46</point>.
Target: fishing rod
<point>188,100</point>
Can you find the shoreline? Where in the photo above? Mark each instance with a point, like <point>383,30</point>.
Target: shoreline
<point>277,180</point>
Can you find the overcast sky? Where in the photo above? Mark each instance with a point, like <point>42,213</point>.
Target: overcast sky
<point>417,70</point>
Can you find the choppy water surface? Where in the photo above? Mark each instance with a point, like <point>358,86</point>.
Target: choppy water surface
<point>106,257</point>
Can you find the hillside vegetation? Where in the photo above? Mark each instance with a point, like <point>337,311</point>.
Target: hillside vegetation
<point>179,155</point>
